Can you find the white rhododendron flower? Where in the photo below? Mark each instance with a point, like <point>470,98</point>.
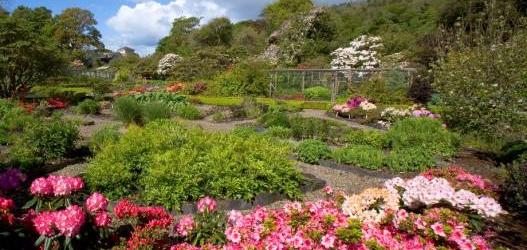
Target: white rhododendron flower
<point>362,54</point>
<point>167,63</point>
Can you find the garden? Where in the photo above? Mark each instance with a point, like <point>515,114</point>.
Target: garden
<point>301,131</point>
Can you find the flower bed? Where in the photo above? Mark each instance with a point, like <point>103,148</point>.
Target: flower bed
<point>425,212</point>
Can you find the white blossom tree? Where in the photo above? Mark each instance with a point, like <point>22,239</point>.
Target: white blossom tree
<point>168,63</point>
<point>363,53</point>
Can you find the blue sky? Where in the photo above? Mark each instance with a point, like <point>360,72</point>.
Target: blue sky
<point>141,23</point>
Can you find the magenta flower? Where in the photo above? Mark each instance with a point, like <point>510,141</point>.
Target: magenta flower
<point>96,202</point>
<point>56,185</point>
<point>6,204</point>
<point>206,204</point>
<point>233,235</point>
<point>438,229</point>
<point>328,190</point>
<point>103,219</point>
<point>11,179</point>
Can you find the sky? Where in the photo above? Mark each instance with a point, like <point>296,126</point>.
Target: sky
<point>140,24</point>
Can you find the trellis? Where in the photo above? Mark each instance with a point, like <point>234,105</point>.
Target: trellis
<point>336,80</point>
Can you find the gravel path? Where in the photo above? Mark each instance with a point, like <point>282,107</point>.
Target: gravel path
<point>92,123</point>
<point>321,114</point>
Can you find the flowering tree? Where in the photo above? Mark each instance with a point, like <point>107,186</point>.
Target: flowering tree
<point>167,63</point>
<point>362,54</point>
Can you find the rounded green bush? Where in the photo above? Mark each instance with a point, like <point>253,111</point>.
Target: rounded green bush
<point>317,93</point>
<point>188,111</point>
<point>279,132</point>
<point>155,111</point>
<point>88,106</point>
<point>312,151</point>
<point>168,164</point>
<point>424,133</point>
<point>514,189</point>
<point>361,156</point>
<point>366,137</point>
<point>128,110</point>
<point>274,119</point>
<point>413,159</point>
<point>44,141</point>
<point>103,136</point>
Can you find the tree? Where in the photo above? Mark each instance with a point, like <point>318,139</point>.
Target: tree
<point>280,11</point>
<point>39,18</point>
<point>178,41</point>
<point>26,56</point>
<point>75,31</point>
<point>217,32</point>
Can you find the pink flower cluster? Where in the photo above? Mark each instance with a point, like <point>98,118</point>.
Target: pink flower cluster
<point>56,186</point>
<point>442,225</point>
<point>421,191</point>
<point>67,222</point>
<point>185,226</point>
<point>206,204</point>
<point>6,205</point>
<point>11,179</point>
<point>352,103</point>
<point>459,178</point>
<point>423,112</point>
<point>97,204</point>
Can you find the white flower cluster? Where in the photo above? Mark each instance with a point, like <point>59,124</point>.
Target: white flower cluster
<point>367,106</point>
<point>371,205</point>
<point>421,191</point>
<point>362,54</point>
<point>390,115</point>
<point>167,63</point>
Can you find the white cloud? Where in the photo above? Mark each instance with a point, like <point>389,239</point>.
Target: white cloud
<point>145,22</point>
<point>141,26</point>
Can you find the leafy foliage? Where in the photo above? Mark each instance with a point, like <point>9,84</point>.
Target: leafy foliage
<point>411,159</point>
<point>103,136</point>
<point>188,111</point>
<point>423,133</point>
<point>169,164</point>
<point>367,138</point>
<point>360,155</point>
<point>514,189</point>
<point>44,141</point>
<point>248,78</point>
<point>152,111</point>
<point>279,132</point>
<point>88,106</point>
<point>317,93</point>
<point>311,151</point>
<point>128,110</point>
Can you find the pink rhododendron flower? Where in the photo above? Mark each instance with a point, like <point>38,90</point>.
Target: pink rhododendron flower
<point>185,226</point>
<point>56,185</point>
<point>103,219</point>
<point>44,224</point>
<point>41,187</point>
<point>96,202</point>
<point>6,204</point>
<point>206,204</point>
<point>69,221</point>
<point>233,235</point>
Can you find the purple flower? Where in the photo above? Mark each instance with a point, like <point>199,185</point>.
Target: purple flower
<point>11,179</point>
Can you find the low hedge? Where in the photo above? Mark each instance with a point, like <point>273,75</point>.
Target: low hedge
<point>168,164</point>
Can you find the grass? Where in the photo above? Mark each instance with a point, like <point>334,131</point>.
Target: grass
<point>234,101</point>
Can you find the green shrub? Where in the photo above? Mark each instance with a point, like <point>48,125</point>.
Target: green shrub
<point>103,136</point>
<point>13,122</point>
<point>44,141</point>
<point>312,151</point>
<point>218,117</point>
<point>188,111</point>
<point>424,133</point>
<point>366,137</point>
<point>5,107</point>
<point>128,110</point>
<point>173,101</point>
<point>169,164</point>
<point>155,111</point>
<point>317,93</point>
<point>483,90</point>
<point>412,159</point>
<point>247,78</point>
<point>379,90</point>
<point>361,156</point>
<point>274,119</point>
<point>279,132</point>
<point>88,106</point>
<point>513,151</point>
<point>310,128</point>
<point>514,188</point>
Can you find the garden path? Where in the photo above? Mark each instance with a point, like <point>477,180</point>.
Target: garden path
<point>322,114</point>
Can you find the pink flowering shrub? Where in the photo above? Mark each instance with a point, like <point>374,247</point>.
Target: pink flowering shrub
<point>56,186</point>
<point>460,179</point>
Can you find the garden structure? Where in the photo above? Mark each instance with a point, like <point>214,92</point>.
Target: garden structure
<point>339,81</point>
